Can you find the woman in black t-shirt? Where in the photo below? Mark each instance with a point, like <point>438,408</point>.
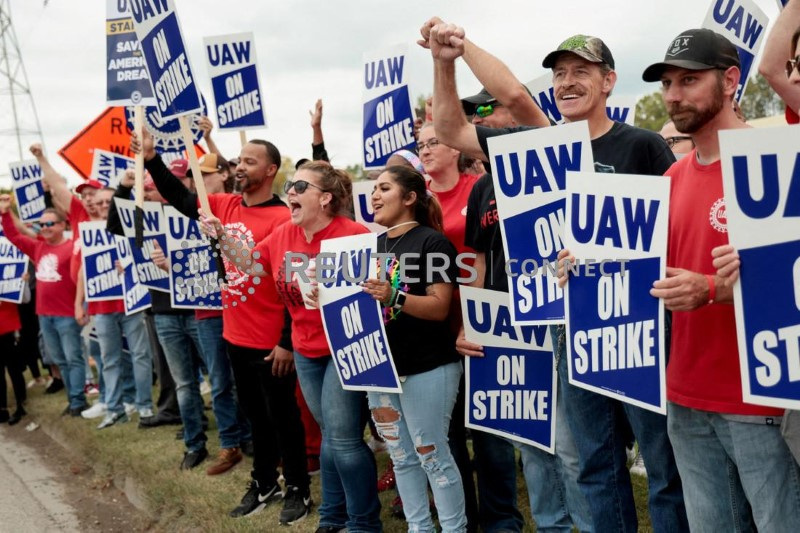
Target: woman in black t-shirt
<point>420,277</point>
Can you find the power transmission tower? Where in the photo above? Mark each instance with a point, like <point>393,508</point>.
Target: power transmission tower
<point>19,123</point>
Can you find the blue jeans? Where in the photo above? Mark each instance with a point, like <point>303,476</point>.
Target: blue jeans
<point>599,428</point>
<point>496,469</point>
<point>348,471</point>
<point>721,461</point>
<point>552,481</point>
<point>223,401</point>
<point>62,339</point>
<point>176,333</point>
<point>414,425</point>
<point>110,328</point>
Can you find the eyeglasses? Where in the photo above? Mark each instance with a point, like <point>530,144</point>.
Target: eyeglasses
<point>672,141</point>
<point>300,186</point>
<point>484,111</point>
<point>47,224</point>
<point>792,64</point>
<point>103,202</point>
<point>433,143</point>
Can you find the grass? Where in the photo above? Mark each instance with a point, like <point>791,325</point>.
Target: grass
<point>192,501</point>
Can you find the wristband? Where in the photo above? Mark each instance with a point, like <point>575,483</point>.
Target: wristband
<point>712,288</point>
<point>392,298</point>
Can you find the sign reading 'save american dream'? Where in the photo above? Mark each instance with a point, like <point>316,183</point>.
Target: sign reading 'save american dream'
<point>388,116</point>
<point>744,24</point>
<point>352,319</point>
<point>171,75</point>
<point>26,179</point>
<point>616,228</point>
<point>193,279</point>
<point>13,264</point>
<point>127,81</point>
<point>99,256</point>
<point>761,179</point>
<point>231,63</point>
<point>528,169</point>
<point>147,273</point>
<point>511,390</point>
<point>135,295</point>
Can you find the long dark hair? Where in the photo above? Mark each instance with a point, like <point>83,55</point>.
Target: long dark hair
<point>427,210</point>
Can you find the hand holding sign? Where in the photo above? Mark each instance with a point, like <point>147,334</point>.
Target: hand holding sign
<point>727,263</point>
<point>564,258</point>
<point>682,290</point>
<point>464,347</point>
<point>146,146</point>
<point>158,257</point>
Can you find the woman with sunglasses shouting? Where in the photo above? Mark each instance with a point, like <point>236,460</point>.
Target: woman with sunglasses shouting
<point>416,300</point>
<point>318,198</point>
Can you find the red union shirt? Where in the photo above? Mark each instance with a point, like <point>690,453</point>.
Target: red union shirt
<point>9,319</point>
<point>703,371</point>
<point>308,337</point>
<point>252,310</point>
<point>454,211</point>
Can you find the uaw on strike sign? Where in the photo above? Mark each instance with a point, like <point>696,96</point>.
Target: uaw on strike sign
<point>761,179</point>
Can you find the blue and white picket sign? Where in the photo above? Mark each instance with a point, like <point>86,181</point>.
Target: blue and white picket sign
<point>107,167</point>
<point>511,390</point>
<point>528,170</point>
<point>744,24</point>
<point>26,179</point>
<point>621,108</point>
<point>231,61</point>
<point>155,229</point>
<point>543,94</point>
<point>761,180</point>
<point>167,138</point>
<point>616,227</point>
<point>99,257</point>
<point>171,75</point>
<point>135,295</point>
<point>352,319</point>
<point>127,82</point>
<point>362,205</point>
<point>193,278</point>
<point>388,115</point>
<point>13,264</point>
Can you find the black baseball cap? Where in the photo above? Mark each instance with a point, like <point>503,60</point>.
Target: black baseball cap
<point>471,103</point>
<point>589,48</point>
<point>697,49</point>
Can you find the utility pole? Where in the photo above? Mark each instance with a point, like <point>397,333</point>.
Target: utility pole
<point>19,123</point>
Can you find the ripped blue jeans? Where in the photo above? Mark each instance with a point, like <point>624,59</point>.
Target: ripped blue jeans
<point>414,425</point>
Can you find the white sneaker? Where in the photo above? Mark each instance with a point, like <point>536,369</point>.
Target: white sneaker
<point>129,409</point>
<point>375,445</point>
<point>637,468</point>
<point>95,411</point>
<point>205,388</point>
<point>146,413</point>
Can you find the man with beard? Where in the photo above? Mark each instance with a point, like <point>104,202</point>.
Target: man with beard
<point>729,453</point>
<point>583,78</point>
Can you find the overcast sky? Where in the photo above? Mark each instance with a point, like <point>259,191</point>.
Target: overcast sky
<point>313,49</point>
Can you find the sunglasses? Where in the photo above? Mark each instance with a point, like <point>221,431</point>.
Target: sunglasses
<point>791,65</point>
<point>433,143</point>
<point>484,111</point>
<point>47,224</point>
<point>672,141</point>
<point>300,186</point>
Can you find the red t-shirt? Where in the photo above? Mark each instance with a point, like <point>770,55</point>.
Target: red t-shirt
<point>202,314</point>
<point>9,320</point>
<point>307,333</point>
<point>77,214</point>
<point>703,371</point>
<point>791,116</point>
<point>454,210</point>
<point>55,290</point>
<point>252,310</point>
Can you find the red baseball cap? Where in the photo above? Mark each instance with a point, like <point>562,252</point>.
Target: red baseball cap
<point>94,184</point>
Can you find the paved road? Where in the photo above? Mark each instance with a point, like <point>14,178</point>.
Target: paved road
<point>31,496</point>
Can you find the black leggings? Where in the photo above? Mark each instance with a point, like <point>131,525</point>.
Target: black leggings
<point>10,359</point>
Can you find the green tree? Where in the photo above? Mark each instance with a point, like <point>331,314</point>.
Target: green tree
<point>285,172</point>
<point>760,100</point>
<point>419,109</point>
<point>650,112</point>
<point>356,171</point>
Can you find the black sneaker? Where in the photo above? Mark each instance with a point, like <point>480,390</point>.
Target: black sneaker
<point>76,411</point>
<point>256,499</point>
<point>331,529</point>
<point>296,504</point>
<point>55,386</point>
<point>248,448</point>
<point>17,416</point>
<point>192,459</point>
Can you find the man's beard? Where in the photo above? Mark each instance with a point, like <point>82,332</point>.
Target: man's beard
<point>697,118</point>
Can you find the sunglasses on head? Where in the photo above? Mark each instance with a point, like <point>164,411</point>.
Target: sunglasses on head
<point>47,224</point>
<point>792,65</point>
<point>484,111</point>
<point>300,186</point>
<point>672,141</point>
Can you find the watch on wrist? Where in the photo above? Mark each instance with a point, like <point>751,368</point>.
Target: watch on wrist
<point>399,300</point>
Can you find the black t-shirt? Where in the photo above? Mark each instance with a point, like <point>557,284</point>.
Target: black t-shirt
<point>624,149</point>
<point>418,345</point>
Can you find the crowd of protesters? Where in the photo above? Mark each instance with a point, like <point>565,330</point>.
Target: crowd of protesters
<point>714,463</point>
